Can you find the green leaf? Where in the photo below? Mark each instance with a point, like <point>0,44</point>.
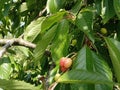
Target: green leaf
<point>43,43</point>
<point>114,50</point>
<point>50,20</point>
<point>24,50</point>
<point>76,7</point>
<point>83,76</point>
<point>84,23</point>
<point>60,44</point>
<point>116,4</point>
<point>23,7</point>
<point>33,29</point>
<point>105,9</point>
<point>5,68</point>
<point>16,85</point>
<point>98,6</point>
<point>90,61</point>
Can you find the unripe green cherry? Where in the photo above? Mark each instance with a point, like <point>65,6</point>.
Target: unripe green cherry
<point>57,76</point>
<point>103,30</point>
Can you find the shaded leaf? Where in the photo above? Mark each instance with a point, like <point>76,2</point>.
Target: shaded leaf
<point>105,9</point>
<point>85,24</point>
<point>116,4</point>
<point>76,7</point>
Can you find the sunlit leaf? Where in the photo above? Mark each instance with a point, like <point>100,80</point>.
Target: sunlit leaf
<point>16,85</point>
<point>60,44</point>
<point>90,61</point>
<point>23,7</point>
<point>50,20</point>
<point>5,68</point>
<point>114,50</point>
<point>44,42</point>
<point>33,29</point>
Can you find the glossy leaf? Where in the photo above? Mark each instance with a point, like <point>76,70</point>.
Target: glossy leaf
<point>117,7</point>
<point>83,76</point>
<point>44,42</point>
<point>85,24</point>
<point>33,29</point>
<point>16,85</point>
<point>5,68</point>
<point>50,20</point>
<point>90,61</point>
<point>60,44</point>
<point>114,50</point>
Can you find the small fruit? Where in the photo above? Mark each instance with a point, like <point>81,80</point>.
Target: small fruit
<point>63,69</point>
<point>74,42</point>
<point>62,60</point>
<point>65,64</point>
<point>57,76</point>
<point>103,30</point>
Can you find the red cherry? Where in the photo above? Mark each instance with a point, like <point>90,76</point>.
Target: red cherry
<point>62,60</point>
<point>63,69</point>
<point>65,63</point>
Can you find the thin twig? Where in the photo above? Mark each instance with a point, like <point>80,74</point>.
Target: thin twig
<point>52,87</point>
<point>42,12</point>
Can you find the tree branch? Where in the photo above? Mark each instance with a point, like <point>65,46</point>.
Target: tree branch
<point>16,41</point>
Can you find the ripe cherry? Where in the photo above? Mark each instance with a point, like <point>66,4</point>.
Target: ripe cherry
<point>65,63</point>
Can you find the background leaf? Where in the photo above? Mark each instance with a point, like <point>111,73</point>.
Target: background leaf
<point>5,68</point>
<point>116,4</point>
<point>75,9</point>
<point>16,85</point>
<point>105,9</point>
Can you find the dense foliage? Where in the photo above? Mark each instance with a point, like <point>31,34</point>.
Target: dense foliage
<point>85,31</point>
